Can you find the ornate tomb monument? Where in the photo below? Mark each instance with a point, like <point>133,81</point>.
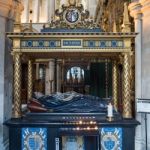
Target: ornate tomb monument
<point>72,121</point>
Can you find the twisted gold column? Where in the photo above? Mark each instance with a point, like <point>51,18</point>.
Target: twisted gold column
<point>115,84</point>
<point>127,107</point>
<point>17,85</point>
<point>30,85</point>
<point>132,77</point>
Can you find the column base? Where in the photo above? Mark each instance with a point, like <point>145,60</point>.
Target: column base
<point>4,145</point>
<point>139,144</point>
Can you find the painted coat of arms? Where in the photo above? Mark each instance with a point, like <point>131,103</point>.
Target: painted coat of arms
<point>111,139</point>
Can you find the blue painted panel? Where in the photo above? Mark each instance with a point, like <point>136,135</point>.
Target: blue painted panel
<point>114,43</point>
<point>29,44</point>
<point>71,30</point>
<point>72,43</point>
<point>111,139</point>
<point>34,139</point>
<point>91,43</point>
<point>102,43</point>
<point>40,43</point>
<point>52,43</point>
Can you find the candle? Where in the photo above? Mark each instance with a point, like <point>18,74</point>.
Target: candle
<point>110,110</point>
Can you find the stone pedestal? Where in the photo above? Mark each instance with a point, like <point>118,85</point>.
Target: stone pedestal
<point>51,131</point>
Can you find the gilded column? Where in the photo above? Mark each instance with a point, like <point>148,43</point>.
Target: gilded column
<point>30,85</point>
<point>17,85</point>
<point>106,78</point>
<point>127,107</point>
<point>115,84</point>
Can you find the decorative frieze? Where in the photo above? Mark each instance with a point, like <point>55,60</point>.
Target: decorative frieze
<point>75,43</point>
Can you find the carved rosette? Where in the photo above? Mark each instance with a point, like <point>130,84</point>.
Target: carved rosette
<point>30,85</point>
<point>17,85</point>
<point>115,84</point>
<point>127,108</point>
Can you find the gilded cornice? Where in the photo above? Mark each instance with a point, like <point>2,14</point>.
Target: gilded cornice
<point>145,6</point>
<point>13,35</point>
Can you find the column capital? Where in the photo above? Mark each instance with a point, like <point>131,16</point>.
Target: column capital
<point>5,7</point>
<point>145,6</point>
<point>135,10</point>
<point>9,7</point>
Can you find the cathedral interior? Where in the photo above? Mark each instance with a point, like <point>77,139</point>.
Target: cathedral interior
<point>74,74</point>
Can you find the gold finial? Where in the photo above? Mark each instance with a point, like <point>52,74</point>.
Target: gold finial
<point>126,22</point>
<point>72,2</point>
<point>114,26</point>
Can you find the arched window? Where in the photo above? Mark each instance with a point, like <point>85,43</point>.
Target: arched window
<point>75,75</point>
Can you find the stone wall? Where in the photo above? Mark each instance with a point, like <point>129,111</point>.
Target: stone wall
<point>7,11</point>
<point>140,11</point>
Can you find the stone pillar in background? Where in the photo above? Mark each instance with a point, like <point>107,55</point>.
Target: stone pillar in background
<point>146,58</point>
<point>37,71</point>
<point>36,10</point>
<point>52,8</point>
<point>51,75</point>
<point>25,14</point>
<point>47,10</point>
<point>7,9</point>
<point>135,12</point>
<point>47,83</point>
<point>49,79</point>
<point>58,76</point>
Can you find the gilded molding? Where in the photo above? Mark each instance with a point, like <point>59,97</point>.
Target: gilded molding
<point>116,50</point>
<point>16,43</point>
